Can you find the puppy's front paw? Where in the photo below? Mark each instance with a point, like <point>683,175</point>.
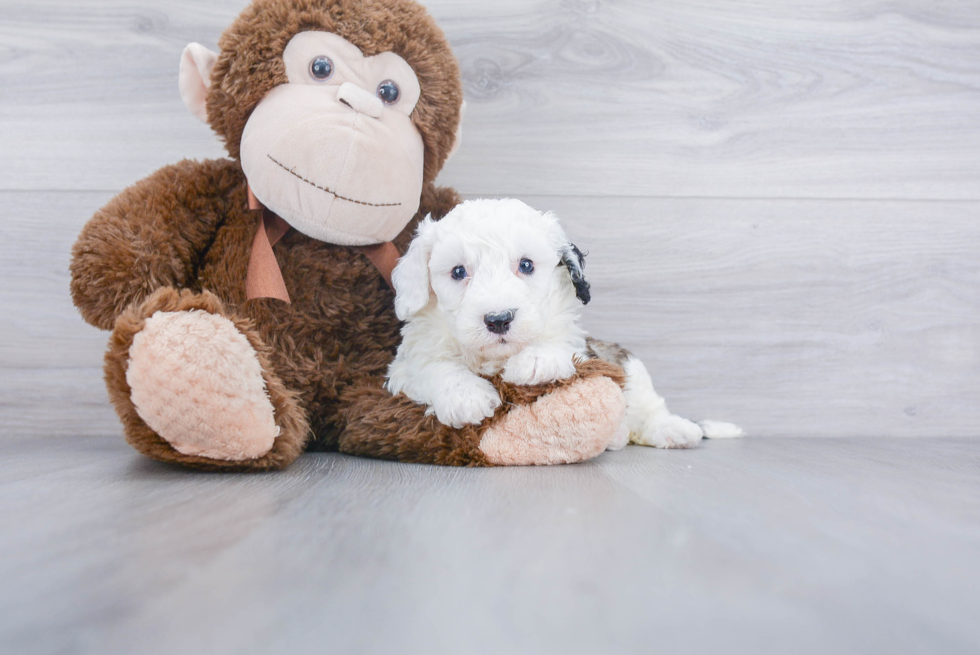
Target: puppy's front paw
<point>467,404</point>
<point>670,431</point>
<point>539,365</point>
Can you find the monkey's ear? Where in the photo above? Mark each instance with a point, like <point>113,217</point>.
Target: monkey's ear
<point>459,132</point>
<point>195,78</point>
<point>411,275</point>
<point>573,259</point>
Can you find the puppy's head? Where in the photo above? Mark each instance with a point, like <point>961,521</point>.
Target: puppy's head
<point>497,272</point>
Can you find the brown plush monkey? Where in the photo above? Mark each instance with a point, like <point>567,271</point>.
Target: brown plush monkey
<point>247,297</point>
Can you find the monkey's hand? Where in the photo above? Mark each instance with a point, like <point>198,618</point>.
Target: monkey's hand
<point>151,235</point>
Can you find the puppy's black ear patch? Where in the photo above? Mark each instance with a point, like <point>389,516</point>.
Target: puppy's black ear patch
<point>573,259</point>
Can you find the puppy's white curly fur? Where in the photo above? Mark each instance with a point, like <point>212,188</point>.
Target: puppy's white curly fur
<point>493,258</point>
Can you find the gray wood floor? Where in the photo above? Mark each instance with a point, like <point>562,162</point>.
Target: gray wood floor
<point>780,200</point>
<point>751,546</point>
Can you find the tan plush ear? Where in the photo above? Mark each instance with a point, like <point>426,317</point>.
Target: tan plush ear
<point>195,77</point>
<point>459,132</point>
<point>411,276</point>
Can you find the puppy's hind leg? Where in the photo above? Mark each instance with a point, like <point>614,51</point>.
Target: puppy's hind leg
<point>650,422</point>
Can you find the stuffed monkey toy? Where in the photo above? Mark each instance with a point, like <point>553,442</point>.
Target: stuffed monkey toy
<point>248,298</point>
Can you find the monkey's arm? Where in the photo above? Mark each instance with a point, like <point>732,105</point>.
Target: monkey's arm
<point>151,235</point>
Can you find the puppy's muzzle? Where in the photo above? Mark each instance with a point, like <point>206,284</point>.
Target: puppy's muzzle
<point>499,322</point>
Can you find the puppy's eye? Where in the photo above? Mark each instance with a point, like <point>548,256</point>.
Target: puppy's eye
<point>321,69</point>
<point>526,267</point>
<point>459,273</point>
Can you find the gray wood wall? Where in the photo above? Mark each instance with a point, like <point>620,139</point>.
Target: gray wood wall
<point>780,197</point>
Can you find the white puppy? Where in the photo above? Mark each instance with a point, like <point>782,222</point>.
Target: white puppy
<point>496,286</point>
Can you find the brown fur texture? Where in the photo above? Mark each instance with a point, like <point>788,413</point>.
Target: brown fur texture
<point>607,350</point>
<point>181,240</point>
<point>395,427</point>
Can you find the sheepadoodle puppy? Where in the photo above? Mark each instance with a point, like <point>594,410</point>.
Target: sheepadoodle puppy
<point>496,287</point>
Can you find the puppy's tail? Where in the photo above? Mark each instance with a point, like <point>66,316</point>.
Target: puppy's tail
<point>720,430</point>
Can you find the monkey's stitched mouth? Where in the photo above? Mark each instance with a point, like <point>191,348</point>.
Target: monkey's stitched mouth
<point>330,191</point>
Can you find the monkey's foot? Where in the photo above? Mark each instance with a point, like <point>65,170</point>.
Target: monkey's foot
<point>194,386</point>
<point>573,423</point>
<point>197,382</point>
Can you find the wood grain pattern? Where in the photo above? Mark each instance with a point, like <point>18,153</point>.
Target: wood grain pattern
<point>50,360</point>
<point>707,98</point>
<point>791,318</point>
<point>765,545</point>
<point>876,99</point>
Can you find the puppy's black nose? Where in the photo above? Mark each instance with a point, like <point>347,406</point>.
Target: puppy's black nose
<point>499,322</point>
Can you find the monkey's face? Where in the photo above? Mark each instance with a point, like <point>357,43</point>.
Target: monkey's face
<point>334,151</point>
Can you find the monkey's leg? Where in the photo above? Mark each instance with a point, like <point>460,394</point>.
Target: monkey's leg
<point>559,423</point>
<point>566,423</point>
<point>195,386</point>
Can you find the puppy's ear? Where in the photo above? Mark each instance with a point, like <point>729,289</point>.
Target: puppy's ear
<point>573,259</point>
<point>411,275</point>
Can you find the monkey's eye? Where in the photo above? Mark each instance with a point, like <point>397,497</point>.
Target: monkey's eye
<point>526,267</point>
<point>388,92</point>
<point>459,273</point>
<point>321,69</point>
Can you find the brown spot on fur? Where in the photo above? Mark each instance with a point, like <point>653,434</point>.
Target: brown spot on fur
<point>607,351</point>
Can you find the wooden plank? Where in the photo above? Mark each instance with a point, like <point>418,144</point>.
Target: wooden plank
<point>50,360</point>
<point>874,99</point>
<point>760,545</point>
<point>90,92</point>
<point>792,318</point>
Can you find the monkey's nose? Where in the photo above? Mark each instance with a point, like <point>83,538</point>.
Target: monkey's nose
<point>360,100</point>
<point>499,322</point>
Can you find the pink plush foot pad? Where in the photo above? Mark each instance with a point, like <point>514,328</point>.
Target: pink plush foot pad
<point>571,424</point>
<point>197,382</point>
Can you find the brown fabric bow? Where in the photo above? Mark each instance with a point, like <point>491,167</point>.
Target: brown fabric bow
<point>264,278</point>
